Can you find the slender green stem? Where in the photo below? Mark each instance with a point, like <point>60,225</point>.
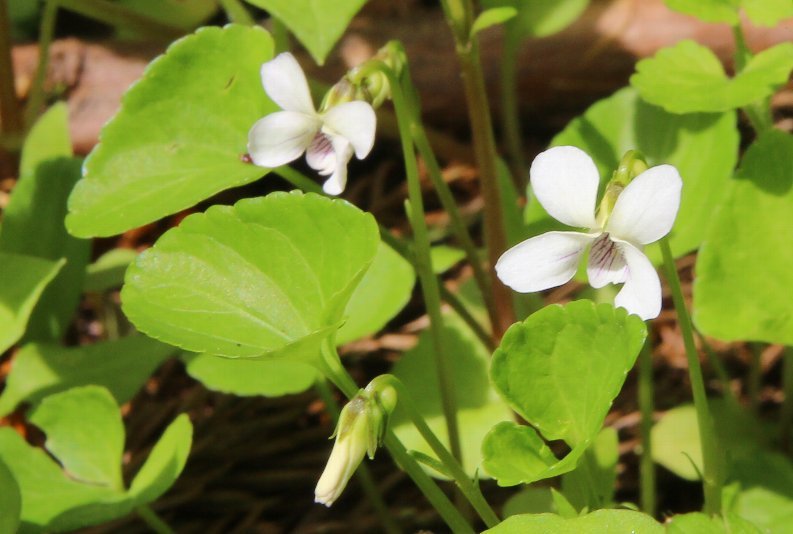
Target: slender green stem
<point>46,34</point>
<point>468,488</point>
<point>646,406</point>
<point>711,454</point>
<point>363,474</point>
<point>153,520</point>
<point>430,287</point>
<point>458,225</point>
<point>305,183</point>
<point>121,17</point>
<point>758,113</point>
<point>460,16</point>
<point>510,113</point>
<point>755,376</point>
<point>280,36</point>
<point>336,373</point>
<point>721,372</point>
<point>786,414</point>
<point>237,12</point>
<point>9,104</point>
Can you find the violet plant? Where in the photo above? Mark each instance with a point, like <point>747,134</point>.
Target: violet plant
<point>256,298</point>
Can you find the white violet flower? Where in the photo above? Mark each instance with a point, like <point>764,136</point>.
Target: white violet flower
<point>329,138</point>
<point>565,181</point>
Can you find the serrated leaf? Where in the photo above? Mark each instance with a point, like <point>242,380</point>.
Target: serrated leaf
<point>561,368</point>
<point>600,521</point>
<point>250,377</point>
<point>768,12</point>
<point>107,272</point>
<point>540,18</point>
<point>37,208</point>
<point>121,366</point>
<point>689,78</point>
<point>30,275</point>
<point>479,407</point>
<point>180,134</point>
<point>708,10</point>
<point>743,271</point>
<point>165,463</point>
<point>492,17</point>
<point>389,283</point>
<point>703,147</point>
<point>268,277</point>
<point>90,453</point>
<point>10,501</point>
<point>317,24</point>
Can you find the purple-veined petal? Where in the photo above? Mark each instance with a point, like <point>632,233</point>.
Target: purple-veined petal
<point>542,262</point>
<point>646,209</point>
<point>281,137</point>
<point>641,293</point>
<point>286,85</point>
<point>565,181</point>
<point>356,122</point>
<point>606,263</point>
<point>321,155</point>
<point>338,180</point>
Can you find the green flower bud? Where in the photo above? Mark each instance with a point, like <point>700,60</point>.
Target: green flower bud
<point>631,165</point>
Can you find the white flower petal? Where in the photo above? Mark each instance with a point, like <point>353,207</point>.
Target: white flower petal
<point>338,180</point>
<point>542,262</point>
<point>646,209</point>
<point>286,85</point>
<point>321,155</point>
<point>281,137</point>
<point>641,293</point>
<point>565,181</point>
<point>606,263</point>
<point>356,122</point>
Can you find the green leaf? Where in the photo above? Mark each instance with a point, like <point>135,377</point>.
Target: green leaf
<point>30,275</point>
<point>10,501</point>
<point>165,463</point>
<point>699,523</point>
<point>479,407</point>
<point>703,147</point>
<point>250,377</point>
<point>317,24</point>
<point>743,271</point>
<point>600,521</point>
<point>688,78</point>
<point>121,366</point>
<point>268,277</point>
<point>708,10</point>
<point>185,14</point>
<point>675,438</point>
<point>516,454</point>
<point>593,483</point>
<point>539,18</point>
<point>180,134</point>
<point>766,494</point>
<point>560,502</point>
<point>90,453</point>
<point>389,283</point>
<point>561,368</point>
<point>532,500</point>
<point>492,17</point>
<point>445,257</point>
<point>768,12</point>
<point>107,272</point>
<point>37,208</point>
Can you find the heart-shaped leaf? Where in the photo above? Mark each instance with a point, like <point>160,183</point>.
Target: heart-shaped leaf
<point>37,207</point>
<point>268,277</point>
<point>600,521</point>
<point>317,24</point>
<point>702,146</point>
<point>180,134</point>
<point>742,287</point>
<point>689,78</point>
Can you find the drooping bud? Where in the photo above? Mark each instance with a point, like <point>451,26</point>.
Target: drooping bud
<point>631,165</point>
<point>377,84</point>
<point>360,430</point>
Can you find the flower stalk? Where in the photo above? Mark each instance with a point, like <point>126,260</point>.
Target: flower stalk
<point>711,455</point>
<point>10,118</point>
<point>646,406</point>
